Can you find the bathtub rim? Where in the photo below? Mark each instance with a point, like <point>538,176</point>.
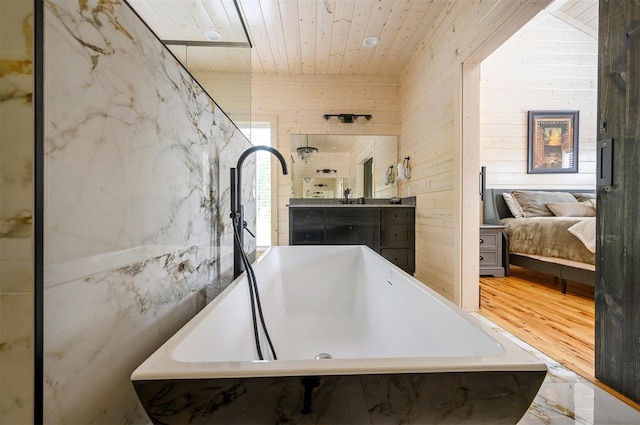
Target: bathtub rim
<point>162,366</point>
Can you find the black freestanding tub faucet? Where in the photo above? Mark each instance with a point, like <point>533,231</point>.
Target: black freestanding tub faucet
<point>236,203</point>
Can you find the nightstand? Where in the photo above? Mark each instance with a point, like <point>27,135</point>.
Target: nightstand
<point>492,261</point>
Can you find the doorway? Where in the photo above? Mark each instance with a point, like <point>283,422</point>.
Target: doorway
<point>368,178</point>
<point>501,87</point>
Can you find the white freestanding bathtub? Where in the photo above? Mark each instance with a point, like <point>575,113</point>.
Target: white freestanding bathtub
<point>400,353</point>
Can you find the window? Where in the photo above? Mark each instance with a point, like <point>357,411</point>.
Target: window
<point>261,135</point>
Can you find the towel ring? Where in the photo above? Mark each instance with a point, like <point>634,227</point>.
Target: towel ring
<point>407,170</point>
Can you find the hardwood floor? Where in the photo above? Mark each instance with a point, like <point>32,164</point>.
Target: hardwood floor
<point>530,306</point>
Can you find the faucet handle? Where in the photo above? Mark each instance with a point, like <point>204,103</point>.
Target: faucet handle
<point>244,224</point>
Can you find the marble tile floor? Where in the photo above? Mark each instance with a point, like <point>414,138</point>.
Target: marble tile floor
<point>566,398</point>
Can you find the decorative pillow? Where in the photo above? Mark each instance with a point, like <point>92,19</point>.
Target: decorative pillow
<point>514,206</point>
<point>584,196</point>
<point>572,209</point>
<point>585,230</point>
<point>534,203</point>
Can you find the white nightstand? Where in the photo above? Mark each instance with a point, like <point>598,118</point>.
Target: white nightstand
<point>492,250</point>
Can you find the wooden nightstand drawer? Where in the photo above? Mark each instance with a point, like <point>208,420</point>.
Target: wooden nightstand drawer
<point>489,258</point>
<point>489,240</point>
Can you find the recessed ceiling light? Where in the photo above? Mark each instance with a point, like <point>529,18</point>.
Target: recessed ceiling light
<point>212,35</point>
<point>371,41</point>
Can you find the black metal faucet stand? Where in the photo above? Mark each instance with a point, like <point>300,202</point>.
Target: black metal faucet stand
<point>237,213</point>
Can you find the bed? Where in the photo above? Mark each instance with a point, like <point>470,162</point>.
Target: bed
<point>559,243</point>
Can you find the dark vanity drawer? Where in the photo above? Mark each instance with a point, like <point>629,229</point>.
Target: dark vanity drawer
<point>403,258</point>
<point>307,215</point>
<point>396,215</point>
<point>398,235</point>
<point>353,234</point>
<point>389,231</point>
<point>308,235</point>
<point>352,215</point>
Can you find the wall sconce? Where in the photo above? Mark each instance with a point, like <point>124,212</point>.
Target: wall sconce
<point>348,118</point>
<point>326,171</point>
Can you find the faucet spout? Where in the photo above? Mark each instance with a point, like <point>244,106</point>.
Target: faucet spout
<point>253,149</point>
<point>236,201</point>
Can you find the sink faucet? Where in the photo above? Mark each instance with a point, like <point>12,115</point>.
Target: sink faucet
<point>236,202</point>
<point>346,195</point>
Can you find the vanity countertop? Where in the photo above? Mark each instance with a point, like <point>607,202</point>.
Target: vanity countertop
<point>409,202</point>
<point>355,205</point>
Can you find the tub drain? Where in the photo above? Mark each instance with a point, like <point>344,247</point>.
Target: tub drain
<point>323,356</point>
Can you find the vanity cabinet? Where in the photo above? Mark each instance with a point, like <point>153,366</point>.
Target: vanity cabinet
<point>390,231</point>
<point>398,236</point>
<point>352,226</point>
<point>309,228</point>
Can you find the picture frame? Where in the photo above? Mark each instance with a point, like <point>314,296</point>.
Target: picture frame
<point>553,142</point>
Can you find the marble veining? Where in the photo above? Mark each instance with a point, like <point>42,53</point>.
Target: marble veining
<point>16,212</point>
<point>566,398</point>
<point>443,398</point>
<point>350,302</point>
<point>137,228</point>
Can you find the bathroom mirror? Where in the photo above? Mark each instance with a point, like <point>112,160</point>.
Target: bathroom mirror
<point>338,164</point>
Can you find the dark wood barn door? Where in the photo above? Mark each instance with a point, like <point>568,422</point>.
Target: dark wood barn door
<point>618,222</point>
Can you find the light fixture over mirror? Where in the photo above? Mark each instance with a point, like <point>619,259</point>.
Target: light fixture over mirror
<point>348,118</point>
<point>307,153</point>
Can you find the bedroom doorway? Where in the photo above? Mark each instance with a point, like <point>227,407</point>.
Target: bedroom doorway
<point>500,85</point>
<point>507,167</point>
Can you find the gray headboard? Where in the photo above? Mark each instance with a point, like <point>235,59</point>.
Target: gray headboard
<point>495,208</point>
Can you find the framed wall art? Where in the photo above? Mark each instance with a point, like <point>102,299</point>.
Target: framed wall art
<point>553,142</point>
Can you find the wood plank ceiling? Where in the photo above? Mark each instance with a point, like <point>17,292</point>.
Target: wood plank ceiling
<point>296,36</point>
<point>310,36</point>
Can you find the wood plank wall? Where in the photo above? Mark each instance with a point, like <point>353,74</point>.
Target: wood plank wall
<point>422,106</point>
<point>360,152</point>
<point>297,103</point>
<point>385,153</point>
<point>231,91</point>
<point>430,133</point>
<point>547,65</point>
<point>384,150</point>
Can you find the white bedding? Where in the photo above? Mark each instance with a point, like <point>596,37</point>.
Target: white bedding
<point>585,230</point>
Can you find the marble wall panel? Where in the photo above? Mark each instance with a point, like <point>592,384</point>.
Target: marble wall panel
<point>456,398</point>
<point>16,211</point>
<point>137,228</point>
